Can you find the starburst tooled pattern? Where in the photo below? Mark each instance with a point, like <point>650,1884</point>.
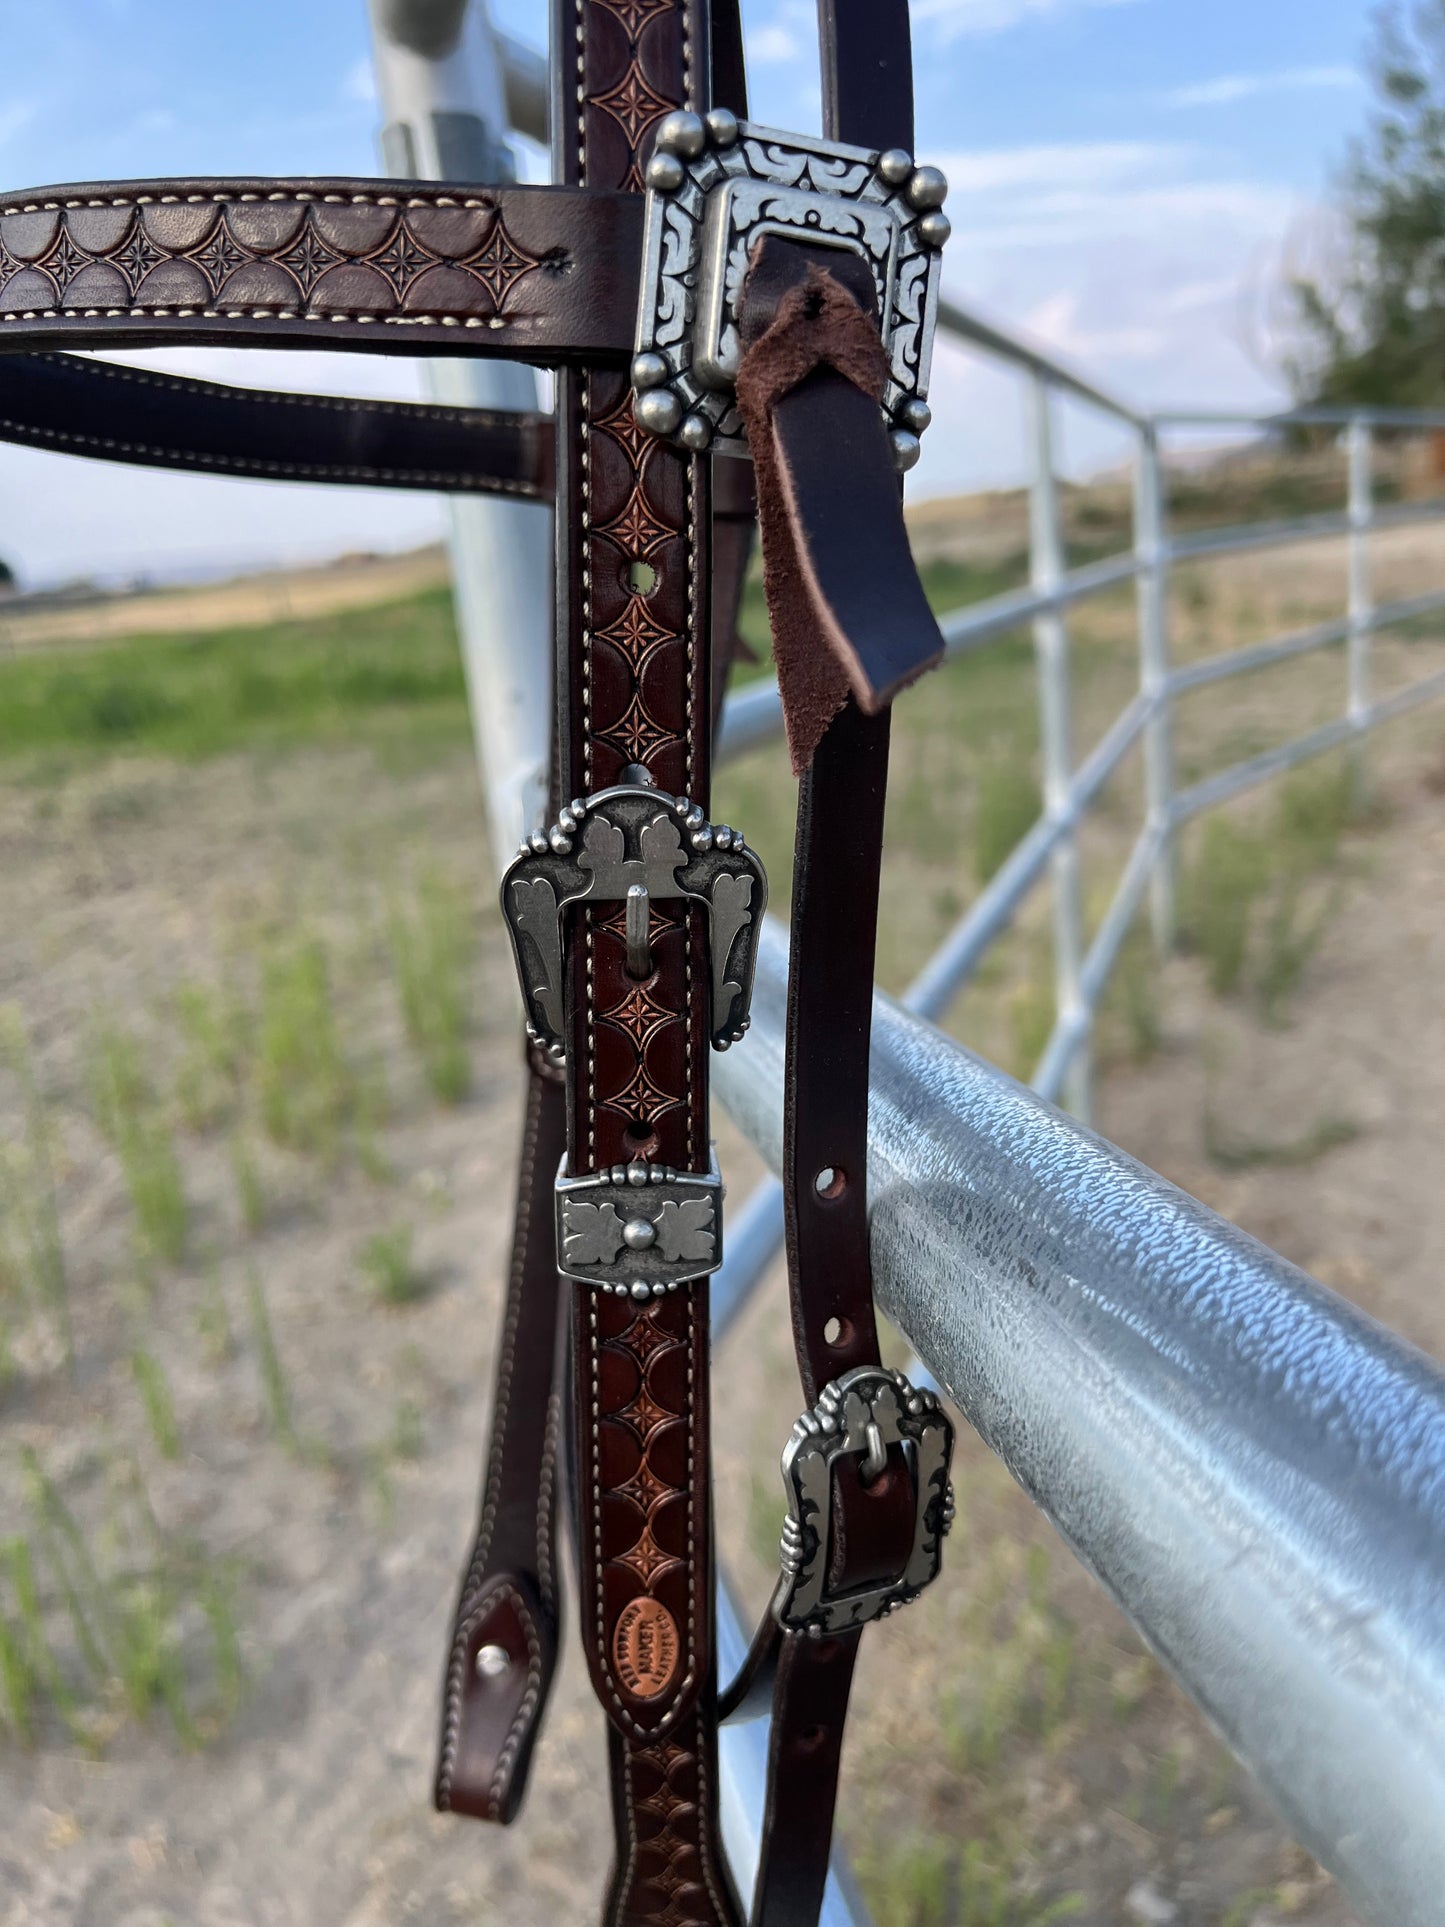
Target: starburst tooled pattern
<point>636,631</point>
<point>643,1489</point>
<point>500,264</point>
<point>309,259</point>
<point>642,1338</point>
<point>639,1014</point>
<point>621,424</point>
<point>635,14</point>
<point>64,262</point>
<point>139,255</point>
<point>637,529</point>
<point>633,104</point>
<point>402,259</point>
<point>645,1415</point>
<point>636,733</point>
<point>219,258</point>
<point>646,1558</point>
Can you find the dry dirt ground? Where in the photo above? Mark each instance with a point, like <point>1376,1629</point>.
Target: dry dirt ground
<point>1055,1745</point>
<point>278,595</point>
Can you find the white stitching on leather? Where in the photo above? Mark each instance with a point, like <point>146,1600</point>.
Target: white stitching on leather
<point>247,464</point>
<point>345,404</point>
<point>300,195</point>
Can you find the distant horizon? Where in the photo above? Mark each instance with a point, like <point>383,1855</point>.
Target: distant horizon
<point>1125,177</point>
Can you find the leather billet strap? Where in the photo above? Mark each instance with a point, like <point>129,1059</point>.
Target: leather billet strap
<point>504,1636</point>
<point>536,274</point>
<point>635,692</point>
<point>72,405</point>
<point>851,628</point>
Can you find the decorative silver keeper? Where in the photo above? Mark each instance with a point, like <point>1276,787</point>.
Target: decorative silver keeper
<point>639,1229</point>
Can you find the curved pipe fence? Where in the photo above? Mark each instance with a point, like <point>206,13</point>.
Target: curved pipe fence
<point>1252,1468</point>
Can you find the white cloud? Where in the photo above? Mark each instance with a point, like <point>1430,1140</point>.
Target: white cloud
<point>1228,88</point>
<point>773,43</point>
<point>1079,164</point>
<point>955,18</point>
<point>1123,259</point>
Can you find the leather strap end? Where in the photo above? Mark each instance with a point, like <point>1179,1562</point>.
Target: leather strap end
<point>837,565</point>
<point>498,1680</point>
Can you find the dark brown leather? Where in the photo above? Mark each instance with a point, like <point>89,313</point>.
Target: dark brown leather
<point>635,688</point>
<point>510,1593</point>
<point>830,512</point>
<point>848,610</point>
<point>550,276</point>
<point>116,413</point>
<point>387,267</point>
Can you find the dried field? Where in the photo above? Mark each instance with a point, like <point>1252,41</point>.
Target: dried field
<point>259,1090</point>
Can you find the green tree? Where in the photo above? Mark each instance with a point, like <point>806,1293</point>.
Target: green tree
<point>1374,330</point>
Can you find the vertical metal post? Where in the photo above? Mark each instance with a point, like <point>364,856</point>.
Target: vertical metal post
<point>442,80</point>
<point>1151,553</point>
<point>1359,443</point>
<point>1051,654</point>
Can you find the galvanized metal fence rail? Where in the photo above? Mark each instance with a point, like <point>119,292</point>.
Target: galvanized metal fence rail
<point>1254,1470</point>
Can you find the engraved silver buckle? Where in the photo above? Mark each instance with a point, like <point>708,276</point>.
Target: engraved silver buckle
<point>864,1412</point>
<point>633,845</point>
<point>715,186</point>
<point>639,1229</point>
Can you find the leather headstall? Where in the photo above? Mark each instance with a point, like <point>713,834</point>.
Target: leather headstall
<point>706,291</point>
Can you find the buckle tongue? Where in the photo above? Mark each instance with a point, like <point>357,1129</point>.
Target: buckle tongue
<point>714,188</point>
<point>863,1412</point>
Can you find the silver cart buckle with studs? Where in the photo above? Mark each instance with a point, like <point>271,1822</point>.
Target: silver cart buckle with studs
<point>715,187</point>
<point>865,1413</point>
<point>637,846</point>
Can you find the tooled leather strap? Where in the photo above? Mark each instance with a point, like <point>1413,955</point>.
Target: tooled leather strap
<point>70,405</point>
<point>504,1637</point>
<point>851,628</point>
<point>537,274</point>
<point>633,629</point>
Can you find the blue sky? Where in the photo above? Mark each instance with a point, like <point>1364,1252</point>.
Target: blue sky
<point>1127,176</point>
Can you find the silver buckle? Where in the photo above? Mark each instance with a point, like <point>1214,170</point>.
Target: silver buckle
<point>633,845</point>
<point>864,1412</point>
<point>716,186</point>
<point>639,1229</point>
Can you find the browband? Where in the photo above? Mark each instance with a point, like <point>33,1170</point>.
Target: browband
<point>537,274</point>
<point>768,294</point>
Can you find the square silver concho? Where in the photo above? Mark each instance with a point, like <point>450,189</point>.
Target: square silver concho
<point>715,187</point>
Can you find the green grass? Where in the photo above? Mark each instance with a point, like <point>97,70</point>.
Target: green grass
<point>329,678</point>
<point>1009,804</point>
<point>85,1631</point>
<point>32,1256</point>
<point>274,1385</point>
<point>214,1027</point>
<point>386,1262</point>
<point>129,1113</point>
<point>922,1881</point>
<point>431,947</point>
<point>156,1400</point>
<point>307,1089</point>
<point>1251,907</point>
<point>1229,1152</point>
